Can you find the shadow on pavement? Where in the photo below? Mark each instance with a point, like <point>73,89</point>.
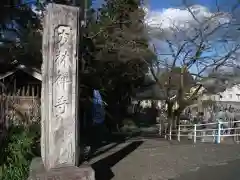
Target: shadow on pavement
<point>99,147</point>
<point>103,167</point>
<point>225,171</point>
<point>98,153</point>
<point>108,138</point>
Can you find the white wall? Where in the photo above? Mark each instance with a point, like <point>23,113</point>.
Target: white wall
<point>230,94</point>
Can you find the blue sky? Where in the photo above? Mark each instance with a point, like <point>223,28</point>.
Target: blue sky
<point>211,4</point>
<point>97,3</point>
<point>162,11</point>
<point>160,4</point>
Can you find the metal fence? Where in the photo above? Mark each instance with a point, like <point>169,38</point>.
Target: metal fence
<point>214,132</point>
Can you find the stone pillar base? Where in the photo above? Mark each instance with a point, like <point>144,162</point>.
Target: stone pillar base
<point>63,172</point>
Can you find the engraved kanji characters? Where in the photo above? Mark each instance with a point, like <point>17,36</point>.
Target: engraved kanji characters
<point>63,34</point>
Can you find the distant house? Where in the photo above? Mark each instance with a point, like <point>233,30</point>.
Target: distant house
<point>148,93</point>
<point>219,93</point>
<point>230,94</point>
<point>223,87</point>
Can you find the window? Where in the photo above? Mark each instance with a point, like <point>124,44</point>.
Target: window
<point>220,96</point>
<point>230,96</point>
<point>238,96</point>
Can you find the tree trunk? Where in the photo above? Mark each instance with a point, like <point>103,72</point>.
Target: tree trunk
<point>169,115</point>
<point>178,119</point>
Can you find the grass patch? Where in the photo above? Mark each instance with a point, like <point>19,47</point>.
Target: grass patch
<point>17,152</point>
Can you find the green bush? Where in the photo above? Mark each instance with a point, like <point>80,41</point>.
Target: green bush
<point>17,153</point>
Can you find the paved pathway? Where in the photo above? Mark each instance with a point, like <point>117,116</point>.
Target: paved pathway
<point>222,171</point>
<point>161,160</point>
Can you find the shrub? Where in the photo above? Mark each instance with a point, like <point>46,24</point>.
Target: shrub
<point>17,153</point>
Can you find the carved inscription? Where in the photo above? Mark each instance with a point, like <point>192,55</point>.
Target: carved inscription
<point>62,34</point>
<point>61,88</point>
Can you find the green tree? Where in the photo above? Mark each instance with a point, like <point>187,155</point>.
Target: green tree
<point>19,34</point>
<point>121,55</point>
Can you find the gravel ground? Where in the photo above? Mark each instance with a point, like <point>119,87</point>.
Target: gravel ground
<point>161,160</point>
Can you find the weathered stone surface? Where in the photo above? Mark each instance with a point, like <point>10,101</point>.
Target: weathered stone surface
<point>59,88</point>
<point>65,173</point>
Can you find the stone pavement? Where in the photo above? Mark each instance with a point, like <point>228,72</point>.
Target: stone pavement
<point>222,171</point>
<point>162,160</point>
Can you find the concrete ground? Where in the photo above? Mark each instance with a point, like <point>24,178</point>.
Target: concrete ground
<point>163,160</point>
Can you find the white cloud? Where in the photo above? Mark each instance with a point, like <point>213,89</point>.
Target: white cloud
<point>167,22</point>
<point>178,25</point>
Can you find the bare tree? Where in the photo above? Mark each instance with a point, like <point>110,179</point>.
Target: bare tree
<point>207,41</point>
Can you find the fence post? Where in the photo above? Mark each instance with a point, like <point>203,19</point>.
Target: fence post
<point>195,134</point>
<point>160,130</point>
<point>179,132</point>
<point>219,133</point>
<point>170,133</point>
<point>165,132</point>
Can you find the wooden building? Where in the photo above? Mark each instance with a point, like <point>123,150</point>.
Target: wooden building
<point>20,92</point>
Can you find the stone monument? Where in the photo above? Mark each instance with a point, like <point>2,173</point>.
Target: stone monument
<point>59,98</point>
<point>59,87</point>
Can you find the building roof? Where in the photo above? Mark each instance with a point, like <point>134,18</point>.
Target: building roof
<point>36,73</point>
